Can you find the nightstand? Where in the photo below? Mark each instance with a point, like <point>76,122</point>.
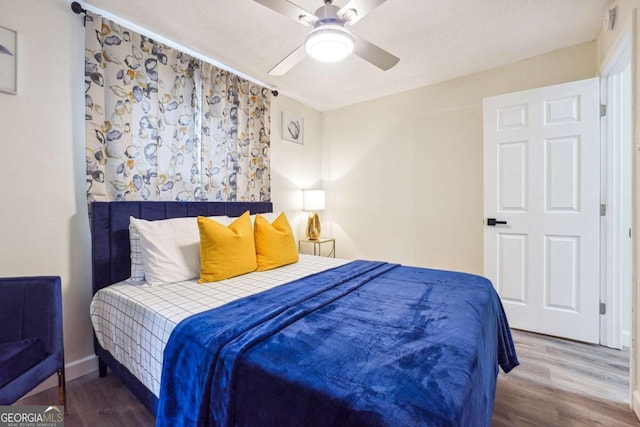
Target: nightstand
<point>317,246</point>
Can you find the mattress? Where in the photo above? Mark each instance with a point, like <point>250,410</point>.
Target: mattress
<point>134,322</point>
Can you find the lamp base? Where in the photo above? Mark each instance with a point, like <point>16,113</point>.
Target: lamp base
<point>313,226</point>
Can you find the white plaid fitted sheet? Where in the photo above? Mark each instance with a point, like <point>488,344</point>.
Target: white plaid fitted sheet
<point>134,322</point>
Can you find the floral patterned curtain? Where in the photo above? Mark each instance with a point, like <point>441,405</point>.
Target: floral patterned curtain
<point>162,125</point>
<point>235,137</point>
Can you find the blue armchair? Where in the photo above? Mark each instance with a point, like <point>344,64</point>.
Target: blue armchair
<point>31,348</point>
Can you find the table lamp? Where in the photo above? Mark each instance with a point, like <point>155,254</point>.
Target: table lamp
<point>313,201</point>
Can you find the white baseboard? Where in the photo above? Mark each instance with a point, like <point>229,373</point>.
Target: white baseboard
<point>73,370</point>
<point>635,402</point>
<point>625,339</point>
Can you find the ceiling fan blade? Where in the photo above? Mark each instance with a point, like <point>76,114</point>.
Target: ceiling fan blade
<point>290,10</point>
<point>289,62</point>
<point>355,10</point>
<point>372,53</point>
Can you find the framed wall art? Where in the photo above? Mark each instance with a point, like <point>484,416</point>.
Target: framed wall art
<point>8,61</point>
<point>292,128</point>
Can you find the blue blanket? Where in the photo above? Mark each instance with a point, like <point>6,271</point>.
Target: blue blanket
<point>366,343</point>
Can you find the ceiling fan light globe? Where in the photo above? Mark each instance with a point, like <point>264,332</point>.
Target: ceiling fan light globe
<point>329,43</point>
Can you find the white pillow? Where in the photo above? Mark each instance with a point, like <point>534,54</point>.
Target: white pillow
<point>137,265</point>
<point>269,216</point>
<point>165,251</point>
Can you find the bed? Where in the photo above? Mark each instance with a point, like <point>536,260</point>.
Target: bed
<point>320,342</point>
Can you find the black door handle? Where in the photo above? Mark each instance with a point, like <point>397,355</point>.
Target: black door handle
<point>492,222</point>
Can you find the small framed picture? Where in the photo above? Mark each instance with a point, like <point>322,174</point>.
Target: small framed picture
<point>292,128</point>
<point>8,61</point>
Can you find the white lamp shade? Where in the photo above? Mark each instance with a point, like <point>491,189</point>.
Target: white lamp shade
<point>329,43</point>
<point>313,200</point>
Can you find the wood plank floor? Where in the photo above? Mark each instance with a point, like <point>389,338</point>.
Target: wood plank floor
<point>564,383</point>
<point>559,383</point>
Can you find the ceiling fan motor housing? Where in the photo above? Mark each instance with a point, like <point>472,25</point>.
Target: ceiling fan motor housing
<point>328,14</point>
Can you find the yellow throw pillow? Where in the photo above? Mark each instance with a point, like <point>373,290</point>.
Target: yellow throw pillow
<point>226,251</point>
<point>275,245</point>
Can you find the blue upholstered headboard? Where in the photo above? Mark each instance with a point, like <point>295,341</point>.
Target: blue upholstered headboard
<point>110,250</point>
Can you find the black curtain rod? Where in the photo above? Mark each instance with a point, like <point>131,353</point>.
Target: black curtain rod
<point>78,9</point>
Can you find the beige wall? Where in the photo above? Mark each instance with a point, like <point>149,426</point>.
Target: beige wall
<point>404,173</point>
<point>294,166</point>
<point>45,228</point>
<point>627,18</point>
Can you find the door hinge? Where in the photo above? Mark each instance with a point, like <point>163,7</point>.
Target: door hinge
<point>603,110</point>
<point>603,209</point>
<point>603,308</point>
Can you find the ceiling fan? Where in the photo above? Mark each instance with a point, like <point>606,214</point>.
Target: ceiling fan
<point>330,41</point>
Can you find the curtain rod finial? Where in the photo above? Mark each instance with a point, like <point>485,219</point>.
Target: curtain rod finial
<point>77,8</point>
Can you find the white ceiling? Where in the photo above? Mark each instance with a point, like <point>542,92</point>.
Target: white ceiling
<point>436,40</point>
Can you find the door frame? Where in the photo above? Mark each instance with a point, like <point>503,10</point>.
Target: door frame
<point>610,194</point>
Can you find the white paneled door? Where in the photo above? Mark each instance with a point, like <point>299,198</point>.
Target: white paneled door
<point>542,207</point>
